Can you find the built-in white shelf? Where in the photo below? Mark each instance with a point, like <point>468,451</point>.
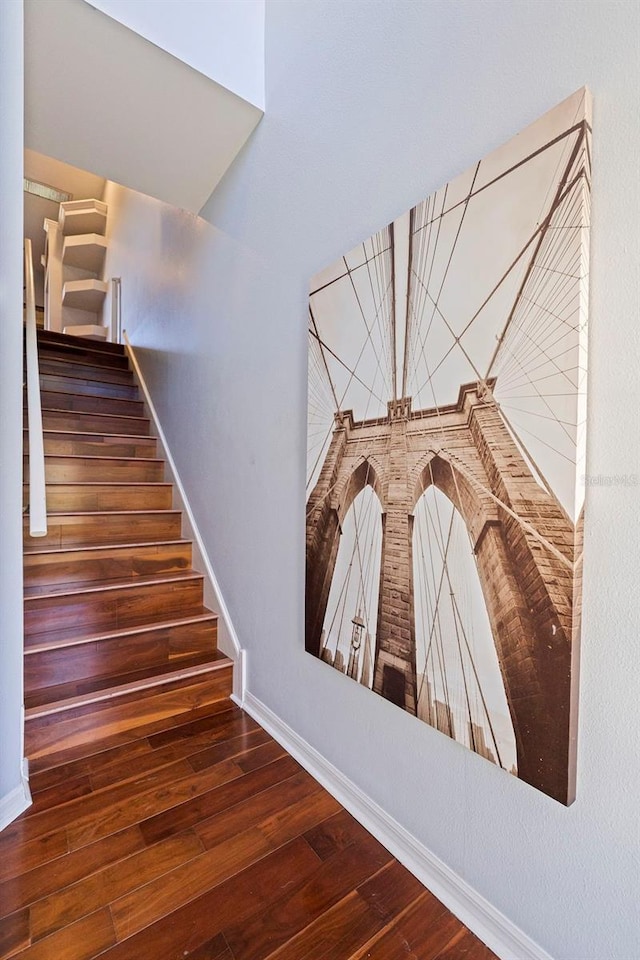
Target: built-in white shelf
<point>86,251</point>
<point>92,331</point>
<point>82,216</point>
<point>84,294</point>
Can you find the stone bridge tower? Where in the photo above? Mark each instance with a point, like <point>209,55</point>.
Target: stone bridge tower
<point>524,544</point>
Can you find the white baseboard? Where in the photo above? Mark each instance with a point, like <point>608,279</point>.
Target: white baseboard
<point>14,803</point>
<point>227,637</point>
<point>492,927</point>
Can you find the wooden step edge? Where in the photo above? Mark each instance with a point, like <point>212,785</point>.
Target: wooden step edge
<point>112,693</point>
<point>107,514</point>
<point>60,643</point>
<point>65,383</point>
<point>106,483</point>
<point>89,396</point>
<point>86,361</point>
<point>74,590</point>
<point>75,393</point>
<point>88,358</point>
<point>56,551</point>
<point>97,413</point>
<point>75,436</point>
<point>93,456</point>
<point>68,340</point>
<point>91,368</point>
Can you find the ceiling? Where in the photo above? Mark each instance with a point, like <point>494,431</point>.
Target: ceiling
<point>101,97</point>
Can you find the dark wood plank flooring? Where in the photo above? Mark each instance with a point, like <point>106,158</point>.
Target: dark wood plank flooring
<point>200,837</point>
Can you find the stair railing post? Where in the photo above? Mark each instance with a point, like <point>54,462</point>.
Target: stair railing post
<point>116,310</point>
<point>37,485</point>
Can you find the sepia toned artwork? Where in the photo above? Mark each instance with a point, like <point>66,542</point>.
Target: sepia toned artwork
<point>446,435</point>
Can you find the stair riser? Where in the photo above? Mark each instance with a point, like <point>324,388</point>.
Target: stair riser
<point>52,400</point>
<point>66,446</point>
<point>111,658</point>
<point>104,528</point>
<point>106,564</point>
<point>63,470</point>
<point>111,609</point>
<point>68,497</point>
<point>93,423</point>
<point>66,341</point>
<point>89,388</point>
<point>82,726</point>
<point>100,361</point>
<point>52,366</point>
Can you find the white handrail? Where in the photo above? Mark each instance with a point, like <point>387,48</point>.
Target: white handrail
<point>37,488</point>
<point>116,310</point>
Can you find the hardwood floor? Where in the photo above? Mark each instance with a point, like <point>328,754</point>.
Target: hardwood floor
<point>197,836</point>
<point>166,823</point>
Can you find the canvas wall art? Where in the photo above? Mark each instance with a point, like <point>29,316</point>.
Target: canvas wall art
<point>446,434</point>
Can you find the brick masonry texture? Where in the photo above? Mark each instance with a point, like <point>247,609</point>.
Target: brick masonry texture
<point>532,597</point>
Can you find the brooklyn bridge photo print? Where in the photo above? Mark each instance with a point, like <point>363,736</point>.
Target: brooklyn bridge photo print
<point>446,430</point>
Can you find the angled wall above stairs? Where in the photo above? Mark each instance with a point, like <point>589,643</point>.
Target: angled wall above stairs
<point>124,108</point>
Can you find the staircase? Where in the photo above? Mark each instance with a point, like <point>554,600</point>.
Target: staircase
<point>116,634</point>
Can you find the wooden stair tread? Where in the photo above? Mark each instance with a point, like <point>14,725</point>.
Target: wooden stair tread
<point>58,590</point>
<point>68,695</point>
<point>111,513</point>
<point>57,639</point>
<point>76,530</point>
<point>95,547</point>
<point>77,361</point>
<point>94,413</point>
<point>92,435</point>
<point>87,386</point>
<point>110,693</point>
<point>68,340</point>
<point>67,375</point>
<point>107,483</point>
<point>46,404</point>
<point>74,457</point>
<point>88,358</point>
<point>77,564</point>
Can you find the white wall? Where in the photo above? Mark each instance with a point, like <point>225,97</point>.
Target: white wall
<point>370,107</point>
<point>101,97</point>
<point>12,797</point>
<point>223,39</point>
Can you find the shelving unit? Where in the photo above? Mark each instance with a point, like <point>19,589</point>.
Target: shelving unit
<point>82,216</point>
<point>86,251</point>
<point>75,254</point>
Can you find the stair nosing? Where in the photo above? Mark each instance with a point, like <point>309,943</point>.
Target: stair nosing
<point>152,626</point>
<point>96,413</point>
<point>71,393</point>
<point>107,546</point>
<point>71,340</point>
<point>112,693</point>
<point>122,437</point>
<point>83,588</point>
<point>106,483</point>
<point>45,355</point>
<point>106,513</point>
<point>94,456</point>
<point>69,375</point>
<point>42,356</point>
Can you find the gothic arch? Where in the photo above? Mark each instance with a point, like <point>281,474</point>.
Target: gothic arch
<point>441,476</point>
<point>437,467</point>
<point>368,472</point>
<point>322,549</point>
